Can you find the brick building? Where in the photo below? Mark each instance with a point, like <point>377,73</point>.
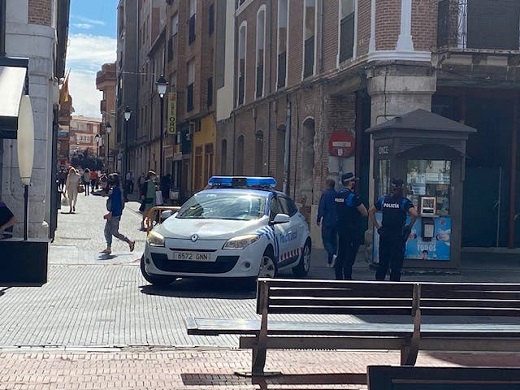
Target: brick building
<point>288,88</point>
<point>106,83</point>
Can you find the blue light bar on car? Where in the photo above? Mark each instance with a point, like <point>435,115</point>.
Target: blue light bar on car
<point>241,182</point>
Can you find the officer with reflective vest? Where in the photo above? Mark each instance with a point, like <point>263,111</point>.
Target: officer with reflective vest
<point>393,231</point>
<point>349,210</point>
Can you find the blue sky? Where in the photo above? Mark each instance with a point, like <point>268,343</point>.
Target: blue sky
<point>92,42</point>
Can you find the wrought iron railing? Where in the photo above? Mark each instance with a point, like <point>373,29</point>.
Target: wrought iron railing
<point>480,25</point>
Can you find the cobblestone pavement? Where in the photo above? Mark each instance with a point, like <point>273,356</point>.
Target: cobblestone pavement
<point>98,324</point>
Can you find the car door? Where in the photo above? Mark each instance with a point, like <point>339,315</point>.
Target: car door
<point>293,232</point>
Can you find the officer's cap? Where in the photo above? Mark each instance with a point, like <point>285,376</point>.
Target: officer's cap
<point>397,183</point>
<point>349,176</point>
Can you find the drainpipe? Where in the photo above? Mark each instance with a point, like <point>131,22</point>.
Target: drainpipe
<point>287,157</point>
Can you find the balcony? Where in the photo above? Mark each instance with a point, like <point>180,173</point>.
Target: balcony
<point>479,25</point>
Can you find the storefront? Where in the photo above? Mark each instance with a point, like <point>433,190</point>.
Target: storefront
<point>428,152</point>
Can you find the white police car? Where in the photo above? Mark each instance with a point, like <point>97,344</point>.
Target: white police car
<point>238,228</point>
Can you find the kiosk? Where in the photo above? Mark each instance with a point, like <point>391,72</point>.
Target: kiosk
<point>427,151</point>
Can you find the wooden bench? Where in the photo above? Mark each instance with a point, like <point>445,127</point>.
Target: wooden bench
<point>442,378</point>
<point>387,316</point>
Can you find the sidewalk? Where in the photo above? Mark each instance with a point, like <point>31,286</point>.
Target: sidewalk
<point>92,366</point>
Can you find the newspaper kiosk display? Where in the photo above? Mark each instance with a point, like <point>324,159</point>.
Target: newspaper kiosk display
<point>427,151</point>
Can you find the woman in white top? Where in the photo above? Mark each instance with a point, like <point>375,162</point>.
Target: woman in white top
<point>73,180</point>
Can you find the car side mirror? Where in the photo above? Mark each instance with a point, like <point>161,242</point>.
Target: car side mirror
<point>280,218</point>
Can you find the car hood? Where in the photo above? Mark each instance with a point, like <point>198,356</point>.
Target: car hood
<point>209,228</point>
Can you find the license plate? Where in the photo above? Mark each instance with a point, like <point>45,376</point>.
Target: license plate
<point>192,256</point>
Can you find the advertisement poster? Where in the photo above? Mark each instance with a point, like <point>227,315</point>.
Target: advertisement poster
<point>438,249</point>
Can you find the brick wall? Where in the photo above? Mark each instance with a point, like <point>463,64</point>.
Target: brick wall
<point>388,24</point>
<point>40,12</point>
<point>424,24</point>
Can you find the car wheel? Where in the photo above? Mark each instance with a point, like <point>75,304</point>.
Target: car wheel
<point>156,280</point>
<point>268,266</point>
<point>303,267</point>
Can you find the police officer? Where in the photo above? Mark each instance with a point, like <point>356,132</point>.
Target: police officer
<point>349,209</point>
<point>393,231</point>
<point>326,219</point>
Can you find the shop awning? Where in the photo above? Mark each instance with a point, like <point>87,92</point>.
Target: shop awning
<point>13,77</point>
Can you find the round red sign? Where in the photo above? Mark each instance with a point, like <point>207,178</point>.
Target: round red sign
<point>341,144</point>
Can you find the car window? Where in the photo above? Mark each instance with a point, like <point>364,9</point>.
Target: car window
<point>274,207</point>
<point>287,206</point>
<point>225,205</point>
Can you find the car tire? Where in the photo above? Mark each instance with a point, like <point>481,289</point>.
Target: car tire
<point>268,266</point>
<point>304,265</point>
<point>156,280</point>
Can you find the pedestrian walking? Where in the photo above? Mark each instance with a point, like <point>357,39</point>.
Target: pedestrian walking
<point>86,180</point>
<point>148,197</point>
<point>327,220</point>
<point>349,209</point>
<point>115,205</point>
<point>71,187</point>
<point>7,221</point>
<point>62,178</point>
<point>93,180</point>
<point>393,231</point>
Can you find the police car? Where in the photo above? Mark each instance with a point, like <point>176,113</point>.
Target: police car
<point>239,227</point>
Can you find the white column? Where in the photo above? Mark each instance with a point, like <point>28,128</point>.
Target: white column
<point>405,42</point>
<point>372,42</point>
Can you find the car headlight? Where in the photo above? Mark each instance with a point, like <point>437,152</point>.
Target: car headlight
<point>241,242</point>
<point>155,239</point>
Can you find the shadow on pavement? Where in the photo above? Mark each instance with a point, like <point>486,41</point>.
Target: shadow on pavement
<point>198,288</point>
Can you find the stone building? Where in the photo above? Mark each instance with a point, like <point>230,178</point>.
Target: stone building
<point>36,32</point>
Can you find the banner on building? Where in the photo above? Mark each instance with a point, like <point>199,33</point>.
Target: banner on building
<point>172,112</point>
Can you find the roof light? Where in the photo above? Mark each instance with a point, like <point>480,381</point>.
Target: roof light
<point>242,182</point>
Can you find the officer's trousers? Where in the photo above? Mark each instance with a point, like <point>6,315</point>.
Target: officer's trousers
<point>329,237</point>
<point>348,246</point>
<point>391,255</point>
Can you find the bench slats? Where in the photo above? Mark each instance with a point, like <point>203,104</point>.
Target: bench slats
<point>282,342</point>
<point>354,310</point>
<point>345,292</point>
<point>339,302</point>
<point>495,303</point>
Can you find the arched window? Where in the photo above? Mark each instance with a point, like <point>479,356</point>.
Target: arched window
<point>259,153</point>
<point>239,166</point>
<point>309,38</point>
<point>283,36</point>
<point>242,38</point>
<point>347,31</point>
<point>223,157</point>
<point>260,51</point>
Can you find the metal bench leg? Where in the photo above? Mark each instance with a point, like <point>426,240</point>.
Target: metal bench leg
<point>259,357</point>
<point>409,353</point>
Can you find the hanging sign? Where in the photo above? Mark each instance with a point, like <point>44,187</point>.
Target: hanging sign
<point>172,112</point>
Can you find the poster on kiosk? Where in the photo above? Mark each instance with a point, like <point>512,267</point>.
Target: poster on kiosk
<point>428,187</point>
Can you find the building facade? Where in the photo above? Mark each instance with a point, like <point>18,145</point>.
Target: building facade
<point>35,30</point>
<point>106,83</point>
<point>295,84</point>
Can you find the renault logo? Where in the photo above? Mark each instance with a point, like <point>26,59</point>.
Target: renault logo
<point>194,237</point>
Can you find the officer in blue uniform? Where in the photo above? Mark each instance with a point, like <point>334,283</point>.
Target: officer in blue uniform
<point>393,231</point>
<point>349,210</point>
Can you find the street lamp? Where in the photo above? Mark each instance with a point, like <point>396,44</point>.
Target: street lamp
<point>162,84</point>
<point>127,114</point>
<point>96,138</point>
<point>108,129</point>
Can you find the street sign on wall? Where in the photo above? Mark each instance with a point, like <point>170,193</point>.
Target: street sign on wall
<point>341,144</point>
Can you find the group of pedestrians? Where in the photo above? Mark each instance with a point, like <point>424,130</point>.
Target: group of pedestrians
<point>340,214</point>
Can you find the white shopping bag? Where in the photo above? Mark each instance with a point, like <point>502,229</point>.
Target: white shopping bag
<point>158,198</point>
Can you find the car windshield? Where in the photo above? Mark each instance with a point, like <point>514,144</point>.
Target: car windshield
<point>224,205</point>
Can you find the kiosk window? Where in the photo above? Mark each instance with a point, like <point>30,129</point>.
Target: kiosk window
<point>383,178</point>
<point>430,178</point>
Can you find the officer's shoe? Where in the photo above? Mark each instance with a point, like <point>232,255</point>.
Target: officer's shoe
<point>333,263</point>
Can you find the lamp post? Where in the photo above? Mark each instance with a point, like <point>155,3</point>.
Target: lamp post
<point>127,114</point>
<point>25,148</point>
<point>162,84</point>
<point>108,129</point>
<point>96,138</point>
